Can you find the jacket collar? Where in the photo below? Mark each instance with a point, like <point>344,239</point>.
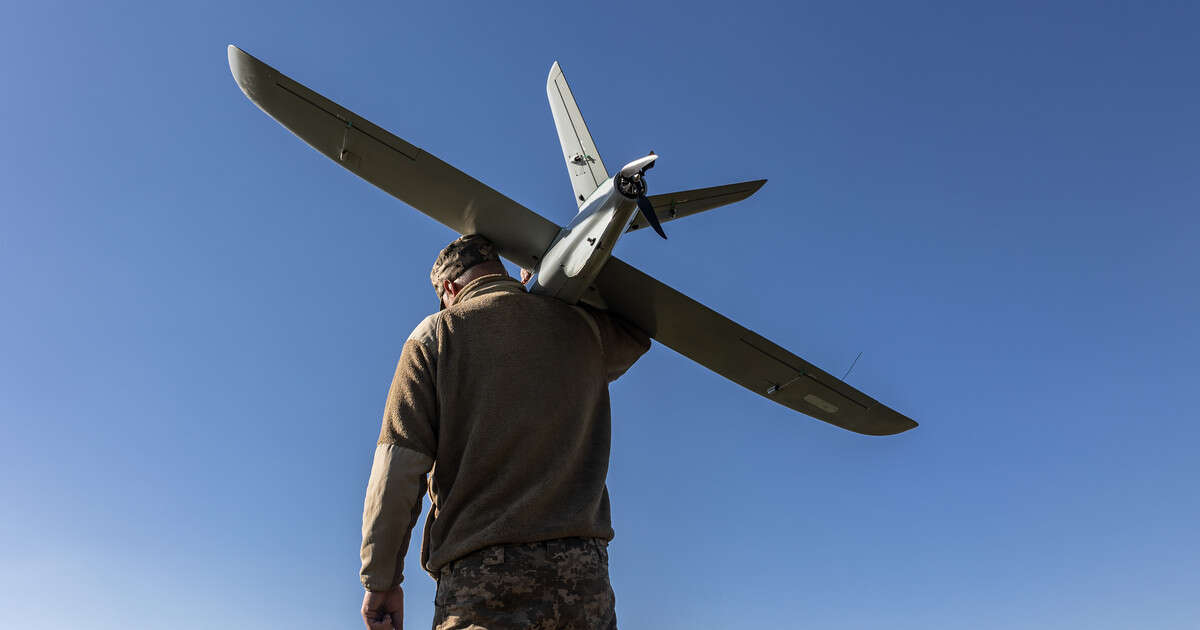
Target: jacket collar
<point>487,285</point>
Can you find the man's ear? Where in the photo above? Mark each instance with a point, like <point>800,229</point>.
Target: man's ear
<point>450,288</point>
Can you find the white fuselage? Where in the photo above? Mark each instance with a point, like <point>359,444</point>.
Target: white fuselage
<point>574,258</point>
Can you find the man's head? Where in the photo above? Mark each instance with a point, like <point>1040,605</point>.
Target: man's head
<point>463,260</point>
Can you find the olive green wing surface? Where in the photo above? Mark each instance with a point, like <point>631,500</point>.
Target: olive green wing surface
<point>739,354</point>
<point>408,173</point>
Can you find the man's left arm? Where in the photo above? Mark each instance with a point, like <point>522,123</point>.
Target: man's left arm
<point>403,456</point>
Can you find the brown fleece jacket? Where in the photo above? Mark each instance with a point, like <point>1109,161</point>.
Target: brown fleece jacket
<point>505,396</point>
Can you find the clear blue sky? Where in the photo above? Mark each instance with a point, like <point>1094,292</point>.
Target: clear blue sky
<point>997,205</point>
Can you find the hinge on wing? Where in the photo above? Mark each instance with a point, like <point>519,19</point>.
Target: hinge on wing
<point>772,390</point>
<point>345,155</point>
<point>581,159</point>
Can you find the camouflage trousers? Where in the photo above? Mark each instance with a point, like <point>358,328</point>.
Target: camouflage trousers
<point>560,583</point>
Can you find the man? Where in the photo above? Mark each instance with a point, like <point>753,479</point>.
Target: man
<point>504,396</point>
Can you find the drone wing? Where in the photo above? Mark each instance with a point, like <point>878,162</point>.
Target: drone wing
<point>740,355</point>
<point>404,171</point>
<point>583,160</point>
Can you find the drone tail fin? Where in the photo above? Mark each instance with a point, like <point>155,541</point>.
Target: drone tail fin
<point>583,160</point>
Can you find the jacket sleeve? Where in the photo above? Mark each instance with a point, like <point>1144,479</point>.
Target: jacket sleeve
<point>403,456</point>
<point>621,341</point>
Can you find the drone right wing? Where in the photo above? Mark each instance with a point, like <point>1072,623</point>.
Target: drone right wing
<point>740,355</point>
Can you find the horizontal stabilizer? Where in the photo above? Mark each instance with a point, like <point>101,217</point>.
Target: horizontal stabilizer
<point>675,205</point>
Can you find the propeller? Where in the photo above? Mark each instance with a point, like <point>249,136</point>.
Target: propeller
<point>631,182</point>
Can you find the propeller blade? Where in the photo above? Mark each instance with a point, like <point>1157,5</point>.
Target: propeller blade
<point>647,209</point>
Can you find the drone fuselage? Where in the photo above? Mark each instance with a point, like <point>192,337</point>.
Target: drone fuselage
<point>579,252</point>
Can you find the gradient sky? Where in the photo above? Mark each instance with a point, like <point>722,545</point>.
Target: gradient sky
<point>997,205</point>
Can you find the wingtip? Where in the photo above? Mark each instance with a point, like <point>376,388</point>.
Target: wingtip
<point>234,54</point>
<point>237,62</point>
<point>899,425</point>
<point>886,431</point>
<point>880,420</point>
<point>245,68</point>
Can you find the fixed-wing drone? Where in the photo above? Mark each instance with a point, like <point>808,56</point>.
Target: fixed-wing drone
<point>573,263</point>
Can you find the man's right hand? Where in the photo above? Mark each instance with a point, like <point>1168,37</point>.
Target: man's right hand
<point>384,610</point>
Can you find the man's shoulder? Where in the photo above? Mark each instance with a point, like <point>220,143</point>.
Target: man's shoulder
<point>426,332</point>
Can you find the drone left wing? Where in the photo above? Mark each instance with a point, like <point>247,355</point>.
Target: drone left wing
<point>740,355</point>
<point>404,171</point>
